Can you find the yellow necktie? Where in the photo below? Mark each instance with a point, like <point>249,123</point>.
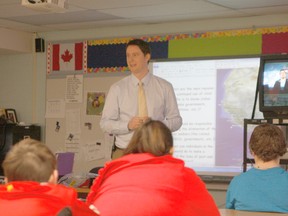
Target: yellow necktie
<point>142,106</point>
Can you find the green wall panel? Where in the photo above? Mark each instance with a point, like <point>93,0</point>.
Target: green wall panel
<point>220,46</point>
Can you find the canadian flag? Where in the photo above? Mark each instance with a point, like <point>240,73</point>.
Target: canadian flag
<point>67,57</point>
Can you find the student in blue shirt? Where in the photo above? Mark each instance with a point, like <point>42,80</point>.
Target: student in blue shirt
<point>265,186</point>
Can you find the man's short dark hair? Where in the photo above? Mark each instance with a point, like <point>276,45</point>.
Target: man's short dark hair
<point>143,45</point>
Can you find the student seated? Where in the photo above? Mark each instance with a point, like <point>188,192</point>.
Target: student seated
<point>147,180</point>
<point>265,186</point>
<point>31,189</point>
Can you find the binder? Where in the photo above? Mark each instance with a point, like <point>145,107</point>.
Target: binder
<point>65,162</point>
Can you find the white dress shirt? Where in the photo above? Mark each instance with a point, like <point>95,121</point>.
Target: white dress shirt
<point>121,105</point>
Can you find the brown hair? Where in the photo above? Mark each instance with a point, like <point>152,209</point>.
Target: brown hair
<point>152,137</point>
<point>268,142</point>
<point>29,160</point>
<point>143,45</point>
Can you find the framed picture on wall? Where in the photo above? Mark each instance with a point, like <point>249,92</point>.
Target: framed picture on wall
<point>11,115</point>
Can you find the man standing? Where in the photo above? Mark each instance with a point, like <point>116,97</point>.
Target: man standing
<point>281,85</point>
<point>122,112</point>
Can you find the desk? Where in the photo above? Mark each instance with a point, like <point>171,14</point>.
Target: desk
<point>82,192</point>
<point>231,212</point>
<point>217,186</point>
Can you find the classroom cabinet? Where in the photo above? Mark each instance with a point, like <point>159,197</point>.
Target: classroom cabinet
<point>11,133</point>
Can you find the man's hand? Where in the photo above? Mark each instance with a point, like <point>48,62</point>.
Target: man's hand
<point>136,122</point>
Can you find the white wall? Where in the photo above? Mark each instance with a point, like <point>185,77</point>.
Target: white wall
<point>16,84</point>
<point>22,86</point>
<point>16,41</point>
<point>23,82</point>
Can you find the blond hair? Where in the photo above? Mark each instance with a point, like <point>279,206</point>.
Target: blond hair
<point>152,137</point>
<point>29,160</point>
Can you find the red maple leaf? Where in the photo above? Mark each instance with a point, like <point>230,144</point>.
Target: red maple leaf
<point>67,56</point>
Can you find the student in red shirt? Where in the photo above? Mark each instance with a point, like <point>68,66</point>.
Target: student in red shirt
<point>31,189</point>
<point>147,180</point>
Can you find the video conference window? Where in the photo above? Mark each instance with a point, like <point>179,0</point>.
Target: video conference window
<point>273,86</point>
<point>275,83</point>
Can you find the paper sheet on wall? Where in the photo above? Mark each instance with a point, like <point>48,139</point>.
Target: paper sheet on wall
<point>95,151</point>
<point>72,144</point>
<point>73,121</point>
<point>74,89</point>
<point>55,108</point>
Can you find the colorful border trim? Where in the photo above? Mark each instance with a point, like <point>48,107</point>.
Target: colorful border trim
<point>216,34</point>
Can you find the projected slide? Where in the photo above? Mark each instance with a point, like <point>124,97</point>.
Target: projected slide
<point>214,96</point>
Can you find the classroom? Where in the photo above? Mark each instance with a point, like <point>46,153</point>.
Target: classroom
<point>27,87</point>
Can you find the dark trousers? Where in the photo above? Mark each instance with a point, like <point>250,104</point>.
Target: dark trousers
<point>117,153</point>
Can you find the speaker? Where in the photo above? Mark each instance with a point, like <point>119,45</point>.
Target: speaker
<point>39,45</point>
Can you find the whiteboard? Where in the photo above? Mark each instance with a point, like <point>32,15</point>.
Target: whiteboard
<point>214,96</point>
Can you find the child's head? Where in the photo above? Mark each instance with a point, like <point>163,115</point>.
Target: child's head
<point>30,160</point>
<point>152,137</point>
<point>267,142</point>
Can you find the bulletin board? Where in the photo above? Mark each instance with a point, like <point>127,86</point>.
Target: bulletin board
<point>74,127</point>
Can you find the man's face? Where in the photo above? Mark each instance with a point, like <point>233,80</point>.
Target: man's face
<point>136,60</point>
<point>283,74</point>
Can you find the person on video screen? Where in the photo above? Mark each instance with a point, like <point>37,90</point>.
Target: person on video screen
<point>281,85</point>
